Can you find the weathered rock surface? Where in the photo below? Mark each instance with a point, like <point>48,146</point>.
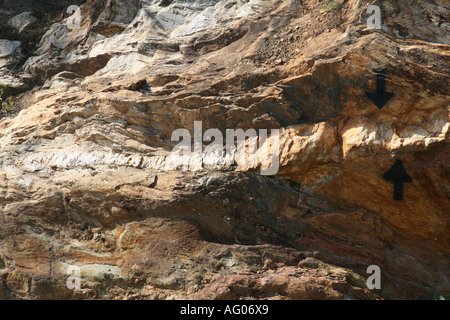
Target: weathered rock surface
<point>86,178</point>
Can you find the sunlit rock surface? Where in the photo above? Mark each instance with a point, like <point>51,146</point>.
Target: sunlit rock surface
<point>86,177</point>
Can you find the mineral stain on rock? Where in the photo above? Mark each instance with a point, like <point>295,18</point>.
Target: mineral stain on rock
<point>85,176</point>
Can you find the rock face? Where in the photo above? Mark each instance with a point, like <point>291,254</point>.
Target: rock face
<point>86,179</point>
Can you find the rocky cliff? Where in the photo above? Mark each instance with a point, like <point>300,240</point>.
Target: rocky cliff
<point>91,99</point>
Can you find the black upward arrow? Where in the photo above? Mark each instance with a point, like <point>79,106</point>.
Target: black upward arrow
<point>381,97</point>
<point>398,175</point>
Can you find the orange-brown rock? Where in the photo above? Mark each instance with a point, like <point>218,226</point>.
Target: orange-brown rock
<point>86,178</point>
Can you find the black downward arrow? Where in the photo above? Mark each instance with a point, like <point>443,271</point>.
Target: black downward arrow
<point>398,175</point>
<point>381,97</point>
